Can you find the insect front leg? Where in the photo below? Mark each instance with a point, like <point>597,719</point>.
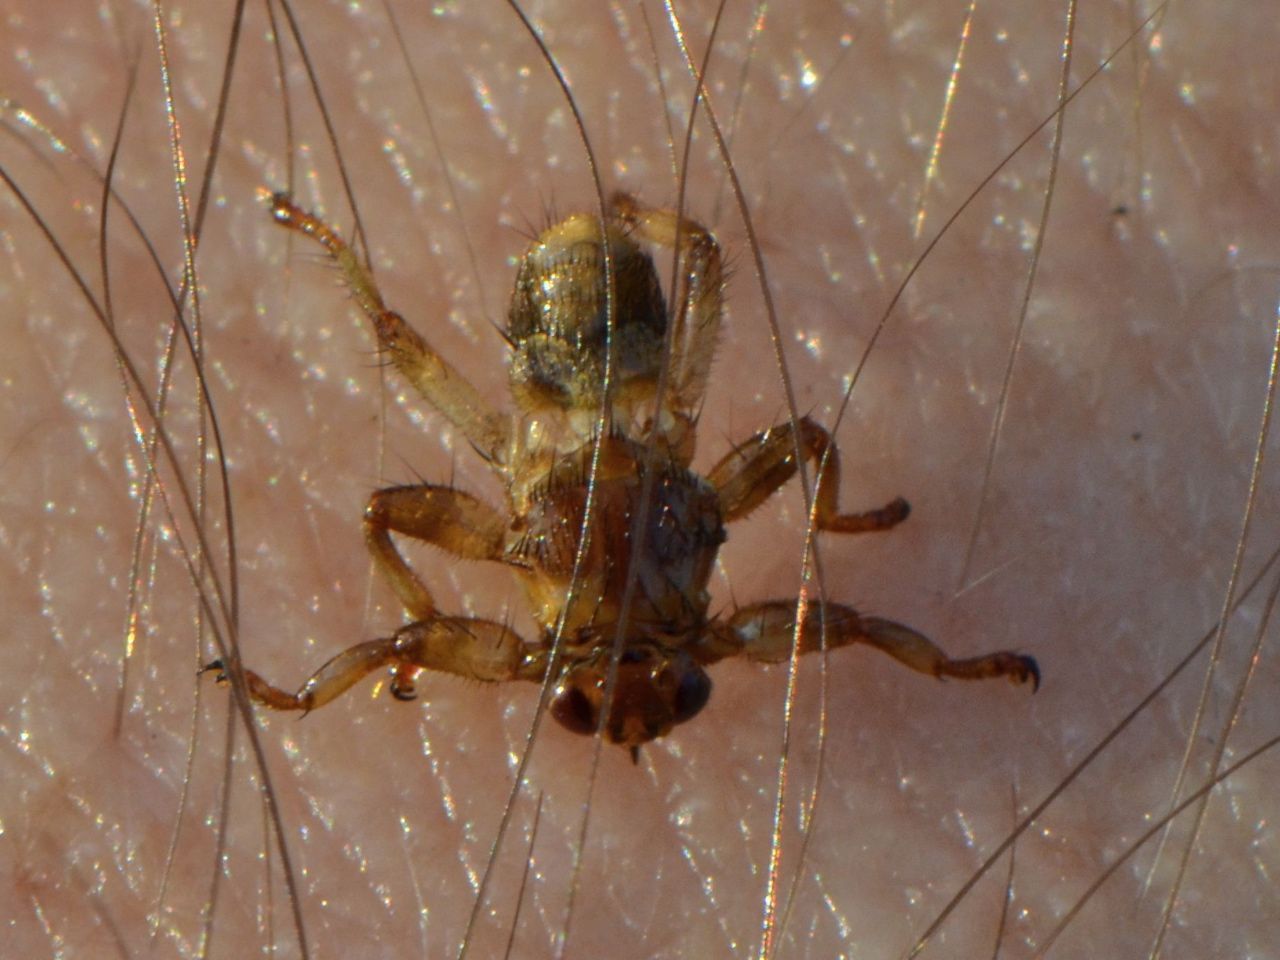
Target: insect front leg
<point>442,516</point>
<point>475,649</point>
<point>765,632</point>
<point>478,649</point>
<point>754,470</point>
<point>437,380</point>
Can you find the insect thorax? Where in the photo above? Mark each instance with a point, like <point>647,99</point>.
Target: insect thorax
<point>683,530</point>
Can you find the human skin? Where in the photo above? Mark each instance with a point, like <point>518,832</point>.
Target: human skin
<point>1104,548</point>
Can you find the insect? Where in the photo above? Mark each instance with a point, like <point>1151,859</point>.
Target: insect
<point>607,527</point>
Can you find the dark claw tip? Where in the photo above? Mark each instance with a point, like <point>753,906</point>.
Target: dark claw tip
<point>1033,672</point>
<point>404,694</point>
<point>211,666</point>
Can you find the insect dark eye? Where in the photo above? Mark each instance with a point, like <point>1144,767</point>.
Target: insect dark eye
<point>692,694</point>
<point>574,711</point>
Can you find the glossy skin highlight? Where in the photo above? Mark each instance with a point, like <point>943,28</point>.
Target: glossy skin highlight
<point>1117,489</point>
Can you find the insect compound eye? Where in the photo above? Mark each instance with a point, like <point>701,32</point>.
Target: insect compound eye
<point>573,710</point>
<point>692,694</point>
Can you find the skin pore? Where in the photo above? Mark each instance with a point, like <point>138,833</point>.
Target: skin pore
<point>1105,546</point>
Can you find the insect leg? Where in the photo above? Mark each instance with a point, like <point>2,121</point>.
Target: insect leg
<point>474,649</point>
<point>764,632</point>
<point>754,470</point>
<point>700,293</point>
<point>447,518</point>
<point>439,383</point>
<point>478,649</point>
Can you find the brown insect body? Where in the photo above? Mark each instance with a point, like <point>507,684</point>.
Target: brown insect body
<point>599,430</point>
<point>671,565</point>
<point>561,375</point>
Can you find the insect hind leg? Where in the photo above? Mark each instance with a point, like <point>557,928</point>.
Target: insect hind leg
<point>437,380</point>
<point>699,293</point>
